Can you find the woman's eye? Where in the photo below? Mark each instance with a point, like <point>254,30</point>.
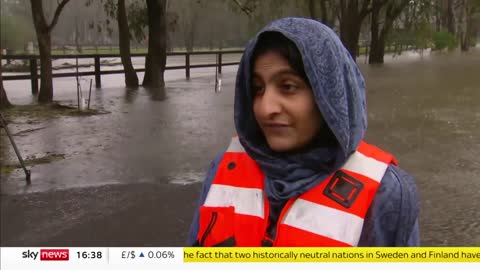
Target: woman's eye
<point>258,89</point>
<point>289,87</point>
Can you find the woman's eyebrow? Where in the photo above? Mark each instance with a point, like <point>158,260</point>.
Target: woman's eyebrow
<point>280,73</point>
<point>283,72</point>
<point>256,75</point>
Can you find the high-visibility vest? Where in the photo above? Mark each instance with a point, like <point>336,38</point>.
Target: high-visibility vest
<point>236,209</point>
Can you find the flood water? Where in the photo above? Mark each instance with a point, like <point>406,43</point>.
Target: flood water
<point>425,110</point>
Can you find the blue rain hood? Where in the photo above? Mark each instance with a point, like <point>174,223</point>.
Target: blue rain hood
<point>339,90</point>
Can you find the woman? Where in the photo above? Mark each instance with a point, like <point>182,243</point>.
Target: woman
<point>298,173</point>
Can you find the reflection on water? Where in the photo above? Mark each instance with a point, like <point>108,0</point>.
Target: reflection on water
<point>186,177</point>
<point>157,93</point>
<point>130,95</point>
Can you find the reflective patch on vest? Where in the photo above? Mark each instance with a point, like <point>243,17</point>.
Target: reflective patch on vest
<point>235,146</point>
<point>322,220</point>
<point>343,189</point>
<point>246,201</point>
<point>370,167</point>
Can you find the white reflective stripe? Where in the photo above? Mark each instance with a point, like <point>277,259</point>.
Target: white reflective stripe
<point>235,146</point>
<point>247,201</point>
<point>370,167</point>
<point>325,221</point>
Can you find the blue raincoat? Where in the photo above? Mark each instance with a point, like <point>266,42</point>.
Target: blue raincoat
<point>339,91</point>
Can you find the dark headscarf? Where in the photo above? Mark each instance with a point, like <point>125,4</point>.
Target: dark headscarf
<point>339,91</point>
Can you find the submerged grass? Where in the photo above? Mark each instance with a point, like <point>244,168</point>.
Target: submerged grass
<point>6,169</point>
<point>52,110</point>
<point>33,114</point>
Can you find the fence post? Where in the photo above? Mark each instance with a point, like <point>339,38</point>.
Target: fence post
<point>187,65</point>
<point>98,80</point>
<point>34,75</point>
<point>220,63</point>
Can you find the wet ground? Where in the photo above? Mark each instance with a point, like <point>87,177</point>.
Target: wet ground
<point>132,177</point>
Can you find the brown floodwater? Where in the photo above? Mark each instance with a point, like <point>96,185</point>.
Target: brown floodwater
<point>425,110</point>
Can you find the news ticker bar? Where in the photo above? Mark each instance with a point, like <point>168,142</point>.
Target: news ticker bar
<point>102,255</point>
<point>367,255</point>
<point>178,256</point>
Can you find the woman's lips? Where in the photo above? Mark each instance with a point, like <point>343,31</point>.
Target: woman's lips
<point>275,127</point>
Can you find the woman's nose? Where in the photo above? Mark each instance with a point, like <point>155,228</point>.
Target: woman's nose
<point>270,101</point>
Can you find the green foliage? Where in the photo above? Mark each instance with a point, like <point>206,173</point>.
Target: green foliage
<point>15,32</point>
<point>443,40</point>
<point>136,14</point>
<point>137,20</point>
<point>423,36</point>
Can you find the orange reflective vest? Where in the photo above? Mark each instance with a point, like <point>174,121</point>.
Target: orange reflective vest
<point>235,211</point>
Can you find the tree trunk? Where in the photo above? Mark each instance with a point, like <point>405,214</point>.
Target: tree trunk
<point>328,12</point>
<point>43,31</point>
<point>450,17</point>
<point>448,21</point>
<point>327,15</point>
<point>461,25</point>
<point>350,34</point>
<point>131,79</point>
<point>466,24</point>
<point>156,56</point>
<point>377,50</point>
<point>46,75</point>
<point>352,14</point>
<point>311,9</point>
<point>471,32</point>
<point>392,9</point>
<point>438,20</point>
<point>376,47</point>
<point>4,102</point>
<point>44,47</point>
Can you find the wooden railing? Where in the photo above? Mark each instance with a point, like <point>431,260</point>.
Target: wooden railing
<point>34,76</point>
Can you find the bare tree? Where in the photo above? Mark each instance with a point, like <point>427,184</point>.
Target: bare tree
<point>157,36</point>
<point>44,31</point>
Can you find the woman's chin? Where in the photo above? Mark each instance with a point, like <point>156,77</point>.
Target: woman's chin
<point>280,144</point>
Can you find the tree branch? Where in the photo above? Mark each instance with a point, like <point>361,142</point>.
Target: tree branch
<point>57,14</point>
<point>366,9</point>
<point>245,9</point>
<point>392,13</point>
<point>398,9</point>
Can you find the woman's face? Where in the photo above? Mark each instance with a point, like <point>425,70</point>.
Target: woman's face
<point>284,105</point>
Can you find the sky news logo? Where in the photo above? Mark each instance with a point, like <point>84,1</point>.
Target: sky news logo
<point>47,255</point>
